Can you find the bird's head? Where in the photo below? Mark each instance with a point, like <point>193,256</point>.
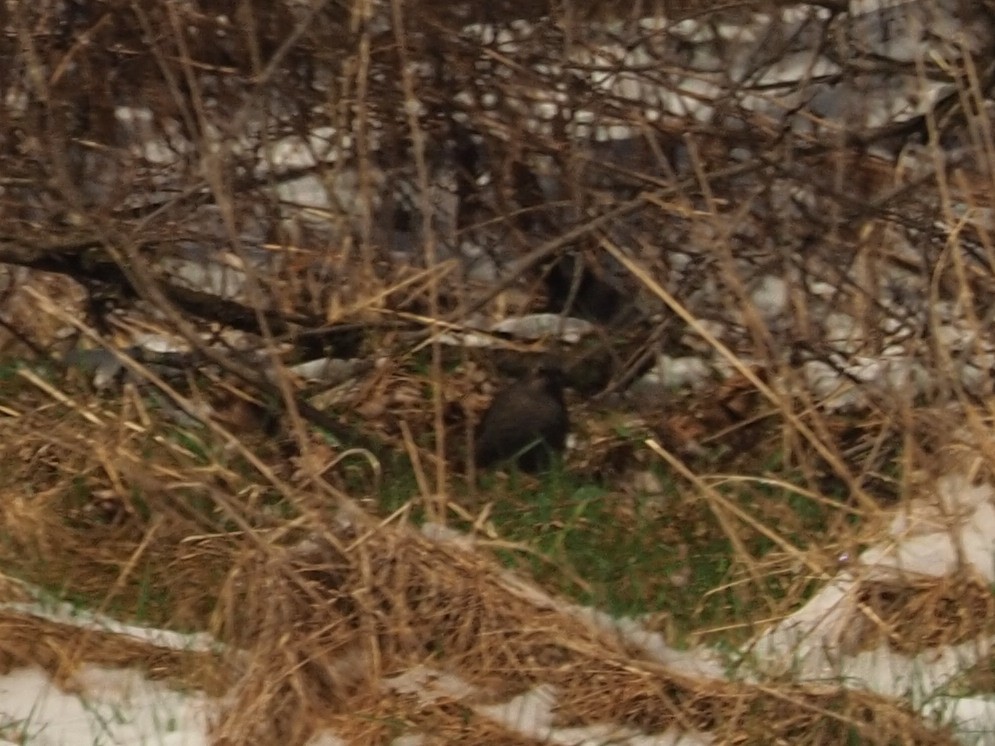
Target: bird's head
<point>549,376</point>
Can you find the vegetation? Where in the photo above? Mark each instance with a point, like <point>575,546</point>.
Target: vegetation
<point>783,335</point>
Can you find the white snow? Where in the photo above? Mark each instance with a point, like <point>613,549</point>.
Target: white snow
<point>934,535</point>
<point>108,707</point>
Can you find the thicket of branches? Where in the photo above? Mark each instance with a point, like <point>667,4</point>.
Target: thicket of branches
<point>269,182</point>
<point>465,151</point>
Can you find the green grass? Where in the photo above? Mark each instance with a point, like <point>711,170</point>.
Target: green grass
<point>632,554</point>
<point>630,567</point>
<point>618,555</point>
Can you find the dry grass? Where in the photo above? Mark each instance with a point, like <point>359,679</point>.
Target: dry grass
<point>320,607</point>
<point>206,501</point>
<point>60,649</point>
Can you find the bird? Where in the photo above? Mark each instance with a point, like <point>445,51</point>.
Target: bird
<point>527,421</point>
<point>576,287</point>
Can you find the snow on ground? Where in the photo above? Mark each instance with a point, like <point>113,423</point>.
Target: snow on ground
<point>951,529</point>
<point>103,706</point>
<point>108,706</point>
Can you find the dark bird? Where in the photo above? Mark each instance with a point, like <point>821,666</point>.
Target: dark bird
<point>526,421</point>
<point>577,288</point>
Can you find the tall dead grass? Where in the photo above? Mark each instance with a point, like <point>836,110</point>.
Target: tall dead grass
<point>266,542</point>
